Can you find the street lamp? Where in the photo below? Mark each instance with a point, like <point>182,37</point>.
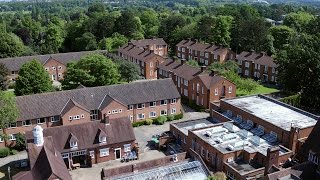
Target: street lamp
<point>9,172</point>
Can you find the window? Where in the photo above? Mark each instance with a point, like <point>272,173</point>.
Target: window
<point>173,101</point>
<point>185,92</point>
<point>70,118</point>
<point>104,152</point>
<point>152,114</point>
<point>206,62</point>
<point>26,123</point>
<point>12,137</point>
<point>1,139</point>
<point>120,110</point>
<point>151,64</point>
<point>13,125</point>
<point>179,54</point>
<point>140,116</point>
<point>247,64</point>
<point>246,72</point>
<point>179,48</point>
<point>73,144</point>
<point>183,49</point>
<point>59,67</point>
<point>12,72</point>
<point>141,105</point>
<point>215,56</point>
<point>216,91</point>
<point>192,86</point>
<point>230,176</point>
<point>41,120</point>
<point>202,101</point>
<point>163,112</point>
<point>82,116</point>
<point>206,55</point>
<point>127,147</point>
<point>130,107</point>
<point>198,87</point>
<point>94,114</point>
<point>46,69</point>
<point>59,75</point>
<point>202,90</point>
<point>55,118</point>
<point>53,68</point>
<point>76,117</point>
<point>163,102</point>
<point>240,62</point>
<point>173,110</point>
<point>102,139</point>
<point>160,71</point>
<point>151,72</point>
<point>109,112</point>
<point>91,154</point>
<point>185,82</point>
<point>254,74</point>
<point>230,89</point>
<point>153,104</point>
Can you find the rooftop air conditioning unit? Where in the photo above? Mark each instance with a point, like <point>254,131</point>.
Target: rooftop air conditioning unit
<point>231,147</point>
<point>208,133</point>
<point>219,140</point>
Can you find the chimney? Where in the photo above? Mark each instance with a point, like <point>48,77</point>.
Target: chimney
<point>262,54</point>
<point>182,61</point>
<point>251,51</point>
<point>38,135</point>
<point>272,158</point>
<point>189,39</point>
<point>203,68</point>
<point>106,119</point>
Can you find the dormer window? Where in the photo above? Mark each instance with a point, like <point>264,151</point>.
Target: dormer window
<point>73,144</point>
<point>313,158</point>
<point>102,139</point>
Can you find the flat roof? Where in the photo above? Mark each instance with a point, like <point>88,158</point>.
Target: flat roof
<point>276,113</point>
<point>243,167</point>
<point>185,126</point>
<point>188,170</point>
<point>228,138</point>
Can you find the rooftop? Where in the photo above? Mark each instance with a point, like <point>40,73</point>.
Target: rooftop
<point>243,167</point>
<point>185,126</point>
<point>227,138</point>
<point>185,170</point>
<point>274,112</point>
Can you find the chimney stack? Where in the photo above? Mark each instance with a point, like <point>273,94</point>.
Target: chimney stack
<point>263,54</point>
<point>272,158</point>
<point>38,135</point>
<point>203,68</point>
<point>251,51</point>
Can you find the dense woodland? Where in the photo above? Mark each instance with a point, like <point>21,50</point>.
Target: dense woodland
<point>41,28</point>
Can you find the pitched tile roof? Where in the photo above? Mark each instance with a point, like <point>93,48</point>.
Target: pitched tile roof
<point>118,131</point>
<point>210,80</point>
<point>145,42</point>
<point>70,104</point>
<point>257,58</point>
<point>15,63</point>
<point>51,104</point>
<point>205,47</point>
<point>182,70</point>
<point>138,53</point>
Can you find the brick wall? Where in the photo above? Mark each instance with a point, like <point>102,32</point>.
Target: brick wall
<point>75,111</point>
<point>55,68</point>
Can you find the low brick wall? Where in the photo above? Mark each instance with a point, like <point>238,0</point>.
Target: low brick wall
<point>127,169</point>
<point>222,118</point>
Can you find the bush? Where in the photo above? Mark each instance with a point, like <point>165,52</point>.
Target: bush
<point>14,152</point>
<point>149,121</point>
<point>138,123</point>
<point>4,152</point>
<point>293,100</point>
<point>20,142</point>
<point>160,120</point>
<point>170,118</point>
<point>178,116</point>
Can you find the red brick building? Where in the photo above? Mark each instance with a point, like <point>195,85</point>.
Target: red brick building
<point>196,84</point>
<point>157,45</point>
<point>135,101</point>
<point>204,53</point>
<point>54,64</point>
<point>146,59</point>
<point>258,66</point>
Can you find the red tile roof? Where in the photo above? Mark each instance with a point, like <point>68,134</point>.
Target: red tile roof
<point>145,42</point>
<point>257,58</point>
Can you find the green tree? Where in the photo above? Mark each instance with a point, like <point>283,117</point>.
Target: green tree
<point>298,20</point>
<point>4,72</point>
<point>8,113</point>
<point>113,43</point>
<point>92,70</point>
<point>20,142</point>
<point>129,25</point>
<point>150,23</point>
<point>282,36</point>
<point>222,30</point>
<point>53,39</point>
<point>129,71</point>
<point>217,176</point>
<point>193,63</point>
<point>87,42</point>
<point>32,79</point>
<point>10,45</point>
<point>205,27</point>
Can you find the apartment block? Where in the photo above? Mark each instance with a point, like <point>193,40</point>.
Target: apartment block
<point>258,66</point>
<point>267,118</point>
<point>54,64</point>
<point>145,59</point>
<point>204,53</point>
<point>197,84</point>
<point>228,148</point>
<point>135,101</point>
<point>157,45</point>
<point>67,147</point>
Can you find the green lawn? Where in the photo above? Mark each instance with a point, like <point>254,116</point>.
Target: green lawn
<point>9,93</point>
<point>260,90</point>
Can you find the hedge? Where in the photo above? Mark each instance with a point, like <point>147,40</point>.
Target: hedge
<point>178,116</point>
<point>170,118</point>
<point>160,120</point>
<point>138,123</point>
<point>4,152</point>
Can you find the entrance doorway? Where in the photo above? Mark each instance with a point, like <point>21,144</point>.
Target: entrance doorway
<point>117,153</point>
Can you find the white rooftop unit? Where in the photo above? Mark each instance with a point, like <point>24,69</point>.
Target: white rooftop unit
<point>229,137</point>
<point>231,127</point>
<point>244,133</point>
<point>217,130</point>
<point>238,144</point>
<point>208,133</point>
<point>257,140</point>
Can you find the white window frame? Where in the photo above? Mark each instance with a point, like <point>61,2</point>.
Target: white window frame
<point>154,104</point>
<point>102,139</point>
<point>152,114</point>
<point>127,147</point>
<point>39,122</point>
<point>151,72</point>
<point>53,120</point>
<point>130,107</point>
<point>173,101</point>
<point>151,64</point>
<point>24,123</point>
<point>165,112</point>
<point>247,64</point>
<point>173,111</point>
<point>73,144</point>
<point>12,137</point>
<point>142,106</point>
<point>12,127</point>
<point>91,153</point>
<point>142,116</point>
<point>165,102</point>
<point>246,72</point>
<point>230,89</point>
<point>70,118</point>
<point>104,152</point>
<point>216,91</point>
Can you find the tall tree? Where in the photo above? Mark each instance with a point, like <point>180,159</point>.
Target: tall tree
<point>298,20</point>
<point>222,30</point>
<point>113,43</point>
<point>87,42</point>
<point>8,113</point>
<point>282,36</point>
<point>129,71</point>
<point>150,23</point>
<point>4,72</point>
<point>53,39</point>
<point>129,25</point>
<point>32,79</point>
<point>10,45</point>
<point>92,70</point>
<point>204,28</point>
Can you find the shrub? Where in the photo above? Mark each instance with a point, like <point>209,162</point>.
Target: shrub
<point>4,152</point>
<point>149,121</point>
<point>160,120</point>
<point>178,116</point>
<point>14,152</point>
<point>170,118</point>
<point>138,123</point>
<point>20,142</point>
